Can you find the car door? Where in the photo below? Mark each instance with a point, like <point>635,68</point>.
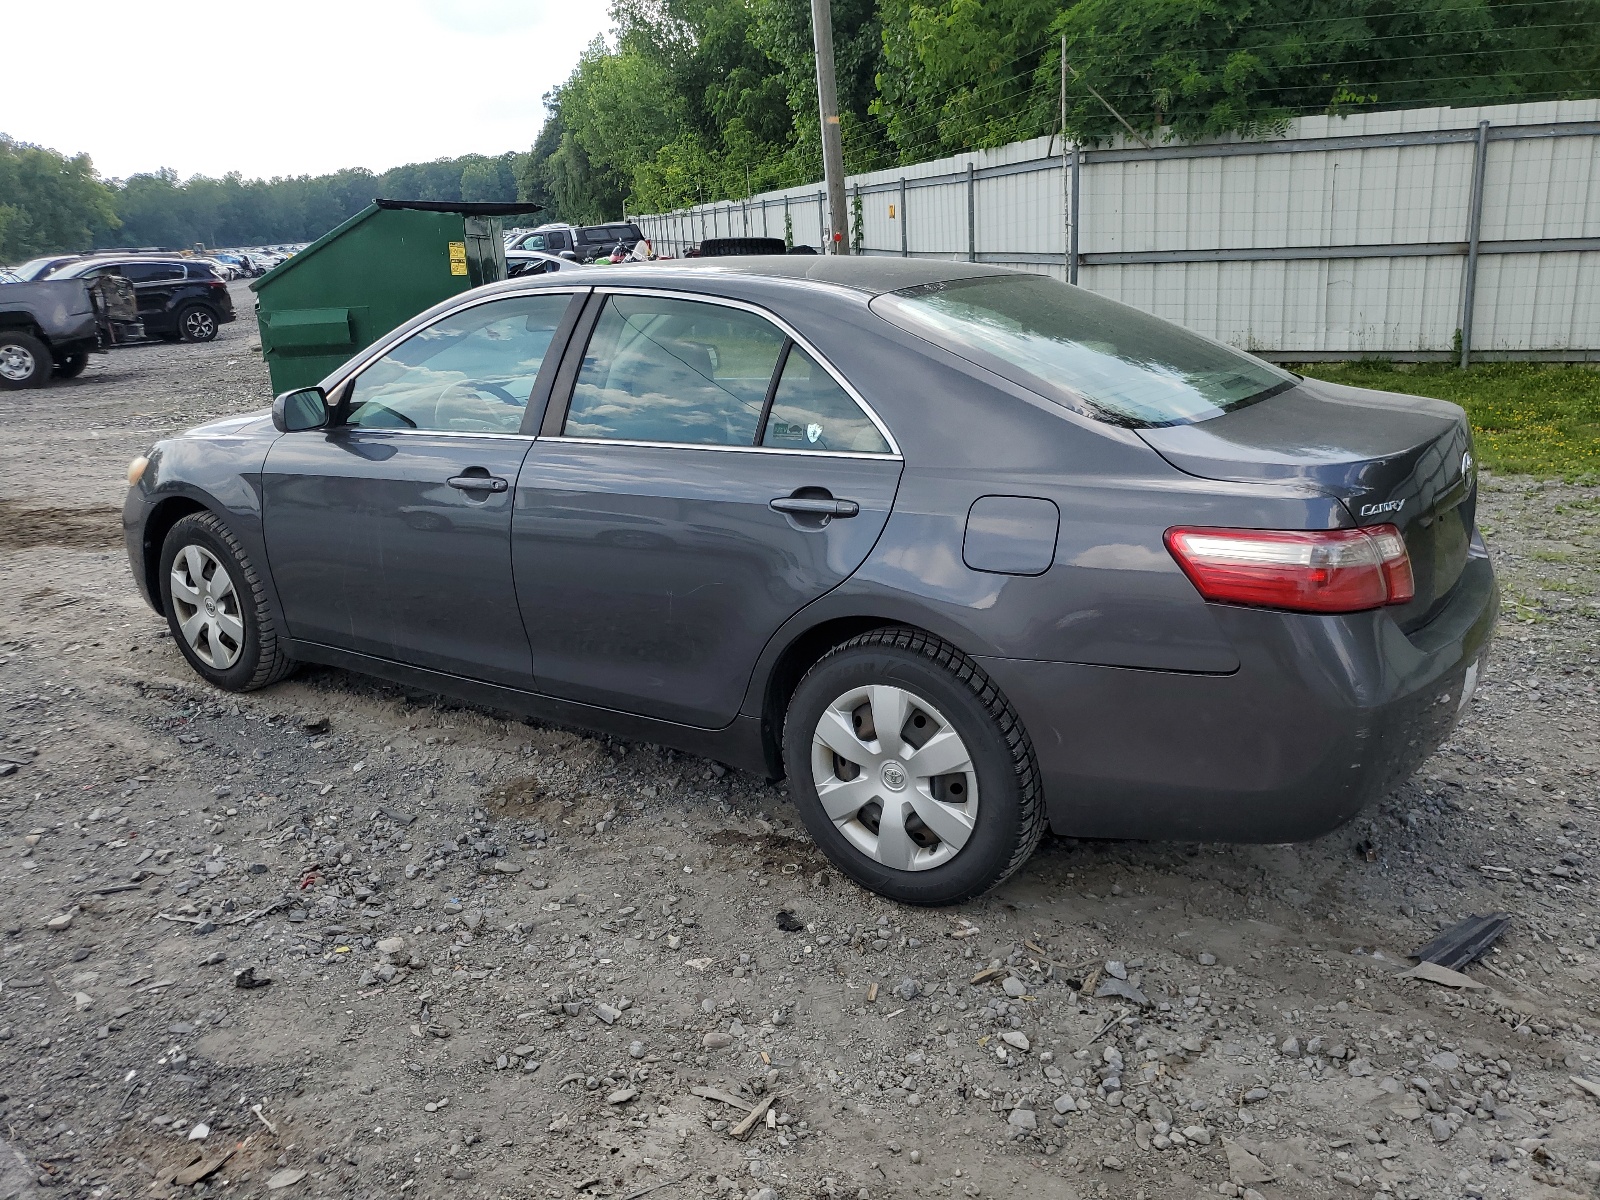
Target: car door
<point>389,533</point>
<point>700,477</point>
<point>154,285</point>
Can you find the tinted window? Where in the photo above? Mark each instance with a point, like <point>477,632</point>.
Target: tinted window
<point>1132,368</point>
<point>661,370</point>
<point>534,241</point>
<point>610,233</point>
<point>201,271</point>
<point>471,372</point>
<point>810,411</point>
<point>151,272</point>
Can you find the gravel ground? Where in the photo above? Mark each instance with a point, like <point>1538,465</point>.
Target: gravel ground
<point>511,960</point>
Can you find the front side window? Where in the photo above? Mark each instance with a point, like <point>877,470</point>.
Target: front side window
<point>1130,368</point>
<point>659,370</point>
<point>471,372</point>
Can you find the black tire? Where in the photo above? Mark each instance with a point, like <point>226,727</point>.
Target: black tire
<point>197,323</point>
<point>25,361</point>
<point>1010,818</point>
<point>72,365</point>
<point>260,658</point>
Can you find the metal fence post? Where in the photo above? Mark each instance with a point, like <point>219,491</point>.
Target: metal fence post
<point>904,241</point>
<point>1469,280</point>
<point>822,223</point>
<point>972,212</point>
<point>1072,240</point>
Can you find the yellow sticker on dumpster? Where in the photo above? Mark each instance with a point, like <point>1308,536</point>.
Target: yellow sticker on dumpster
<point>458,258</point>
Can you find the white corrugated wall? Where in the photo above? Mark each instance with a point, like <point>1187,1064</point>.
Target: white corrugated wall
<point>1337,250</point>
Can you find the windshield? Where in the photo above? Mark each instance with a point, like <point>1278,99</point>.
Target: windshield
<point>1130,368</point>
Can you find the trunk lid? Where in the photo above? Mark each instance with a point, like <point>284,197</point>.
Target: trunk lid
<point>1390,458</point>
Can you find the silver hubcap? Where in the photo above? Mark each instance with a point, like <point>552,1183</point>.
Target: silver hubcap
<point>16,364</point>
<point>894,777</point>
<point>207,607</point>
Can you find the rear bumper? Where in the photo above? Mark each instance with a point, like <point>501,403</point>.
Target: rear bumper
<point>1324,715</point>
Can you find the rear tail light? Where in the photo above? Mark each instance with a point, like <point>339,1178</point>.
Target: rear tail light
<point>1324,571</point>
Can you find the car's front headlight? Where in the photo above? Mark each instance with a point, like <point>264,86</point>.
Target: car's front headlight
<point>136,470</point>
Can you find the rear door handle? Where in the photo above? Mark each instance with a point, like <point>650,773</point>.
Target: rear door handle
<point>814,507</point>
<point>478,483</point>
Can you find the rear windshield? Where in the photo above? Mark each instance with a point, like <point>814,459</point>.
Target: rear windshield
<point>1121,364</point>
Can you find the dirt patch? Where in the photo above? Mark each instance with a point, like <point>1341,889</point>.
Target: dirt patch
<point>23,528</point>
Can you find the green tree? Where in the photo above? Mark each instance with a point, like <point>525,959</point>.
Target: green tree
<point>49,202</point>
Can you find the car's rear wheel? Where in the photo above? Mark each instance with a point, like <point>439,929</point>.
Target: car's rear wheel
<point>197,323</point>
<point>910,769</point>
<point>72,365</point>
<point>24,360</point>
<point>217,608</point>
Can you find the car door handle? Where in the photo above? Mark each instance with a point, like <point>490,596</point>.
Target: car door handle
<point>815,507</point>
<point>478,483</point>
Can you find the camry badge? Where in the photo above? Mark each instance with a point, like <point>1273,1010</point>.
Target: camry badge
<point>1388,506</point>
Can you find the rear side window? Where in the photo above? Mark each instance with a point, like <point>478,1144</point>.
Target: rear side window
<point>1123,365</point>
<point>676,371</point>
<point>810,411</point>
<point>201,271</point>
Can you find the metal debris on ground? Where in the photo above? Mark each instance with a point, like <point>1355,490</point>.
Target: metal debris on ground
<point>1465,942</point>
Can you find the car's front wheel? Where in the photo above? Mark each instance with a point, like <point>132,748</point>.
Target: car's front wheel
<point>910,769</point>
<point>24,360</point>
<point>197,323</point>
<point>217,608</point>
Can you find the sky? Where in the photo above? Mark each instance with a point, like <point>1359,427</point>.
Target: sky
<point>286,87</point>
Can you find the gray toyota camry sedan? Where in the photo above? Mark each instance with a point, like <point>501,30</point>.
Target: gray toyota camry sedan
<point>961,552</point>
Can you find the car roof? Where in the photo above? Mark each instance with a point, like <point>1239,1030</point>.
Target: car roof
<point>862,273</point>
<point>95,260</point>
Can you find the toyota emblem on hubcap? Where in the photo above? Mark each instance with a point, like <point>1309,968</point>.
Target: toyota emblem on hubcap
<point>894,776</point>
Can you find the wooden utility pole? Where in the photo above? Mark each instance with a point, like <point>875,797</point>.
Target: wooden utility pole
<point>832,147</point>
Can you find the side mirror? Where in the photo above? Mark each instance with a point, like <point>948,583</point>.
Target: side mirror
<point>305,408</point>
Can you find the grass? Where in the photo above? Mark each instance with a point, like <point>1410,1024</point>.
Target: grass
<point>1527,418</point>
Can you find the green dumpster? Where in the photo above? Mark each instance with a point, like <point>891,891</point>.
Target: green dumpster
<point>379,269</point>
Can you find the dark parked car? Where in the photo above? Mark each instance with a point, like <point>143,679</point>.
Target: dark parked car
<point>49,327</point>
<point>585,242</point>
<point>46,328</point>
<point>736,247</point>
<point>534,262</point>
<point>38,268</point>
<point>963,552</point>
<point>179,298</point>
